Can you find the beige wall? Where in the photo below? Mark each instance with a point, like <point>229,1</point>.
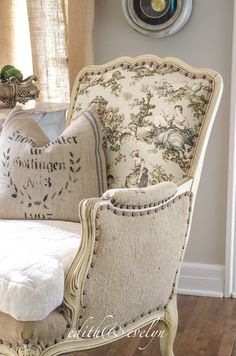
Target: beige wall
<point>204,41</point>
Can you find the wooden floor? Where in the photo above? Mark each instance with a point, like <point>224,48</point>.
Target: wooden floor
<point>207,327</point>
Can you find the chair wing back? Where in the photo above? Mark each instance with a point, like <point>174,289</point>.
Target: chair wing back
<point>156,116</point>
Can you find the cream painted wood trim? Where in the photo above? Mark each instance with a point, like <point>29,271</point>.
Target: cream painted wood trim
<point>202,279</point>
<point>230,246</point>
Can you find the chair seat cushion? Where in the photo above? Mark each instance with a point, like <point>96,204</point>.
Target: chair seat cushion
<point>34,258</point>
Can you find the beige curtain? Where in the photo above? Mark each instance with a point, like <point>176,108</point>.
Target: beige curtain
<point>61,41</point>
<point>6,32</point>
<point>49,49</point>
<point>80,43</point>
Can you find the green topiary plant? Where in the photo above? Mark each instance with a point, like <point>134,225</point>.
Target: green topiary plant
<point>10,71</point>
<point>4,69</point>
<point>13,72</point>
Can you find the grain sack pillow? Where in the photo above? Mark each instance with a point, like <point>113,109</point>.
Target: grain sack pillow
<point>42,179</point>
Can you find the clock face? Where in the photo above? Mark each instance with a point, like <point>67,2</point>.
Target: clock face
<point>157,17</point>
<point>155,12</point>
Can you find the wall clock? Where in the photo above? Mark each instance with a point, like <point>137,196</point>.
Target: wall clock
<point>157,17</point>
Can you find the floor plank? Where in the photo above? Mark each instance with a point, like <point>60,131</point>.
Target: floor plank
<point>207,327</point>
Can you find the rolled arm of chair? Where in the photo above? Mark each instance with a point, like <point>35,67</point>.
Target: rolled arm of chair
<point>140,197</point>
<point>133,242</point>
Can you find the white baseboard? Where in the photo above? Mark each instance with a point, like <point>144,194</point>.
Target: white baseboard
<point>202,280</point>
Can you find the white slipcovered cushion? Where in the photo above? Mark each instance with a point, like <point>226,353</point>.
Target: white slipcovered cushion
<point>34,257</point>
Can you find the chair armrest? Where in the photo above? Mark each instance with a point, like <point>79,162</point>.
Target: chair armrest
<point>141,196</point>
<point>133,241</point>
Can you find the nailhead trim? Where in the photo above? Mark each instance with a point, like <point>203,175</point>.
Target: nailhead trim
<point>190,194</point>
<point>145,206</point>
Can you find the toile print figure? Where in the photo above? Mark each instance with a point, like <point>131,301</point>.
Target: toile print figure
<point>138,177</point>
<point>175,133</point>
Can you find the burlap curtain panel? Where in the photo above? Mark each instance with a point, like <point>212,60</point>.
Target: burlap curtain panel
<point>80,43</point>
<point>61,41</point>
<point>6,32</point>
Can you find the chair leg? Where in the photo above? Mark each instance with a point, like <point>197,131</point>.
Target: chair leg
<point>170,327</point>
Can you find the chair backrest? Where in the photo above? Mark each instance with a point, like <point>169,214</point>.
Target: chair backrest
<point>156,115</point>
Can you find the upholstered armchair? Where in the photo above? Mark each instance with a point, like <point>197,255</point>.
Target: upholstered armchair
<point>157,116</point>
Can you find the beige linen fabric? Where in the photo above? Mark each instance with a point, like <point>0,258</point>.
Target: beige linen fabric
<point>42,179</point>
<point>141,196</point>
<point>134,284</point>
<point>46,331</point>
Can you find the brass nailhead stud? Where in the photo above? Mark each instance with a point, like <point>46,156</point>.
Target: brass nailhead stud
<point>204,77</point>
<point>194,76</point>
<point>1,342</point>
<point>26,341</point>
<point>186,74</point>
<point>55,341</point>
<point>143,63</point>
<point>68,325</point>
<point>142,315</point>
<point>164,65</point>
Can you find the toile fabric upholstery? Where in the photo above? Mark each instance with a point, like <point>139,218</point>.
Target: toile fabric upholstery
<point>152,115</point>
<point>156,117</point>
<point>42,179</point>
